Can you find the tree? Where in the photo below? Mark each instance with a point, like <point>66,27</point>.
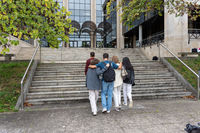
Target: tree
<point>133,9</point>
<point>33,19</point>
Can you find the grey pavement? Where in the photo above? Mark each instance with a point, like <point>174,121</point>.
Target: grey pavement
<point>150,116</point>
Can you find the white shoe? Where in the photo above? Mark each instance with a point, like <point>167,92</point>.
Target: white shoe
<point>108,111</point>
<point>104,110</point>
<point>131,104</point>
<point>125,104</point>
<point>117,109</point>
<point>95,113</point>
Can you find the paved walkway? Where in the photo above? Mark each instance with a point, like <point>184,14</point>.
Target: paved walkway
<point>158,116</point>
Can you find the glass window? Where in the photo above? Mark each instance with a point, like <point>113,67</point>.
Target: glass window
<point>98,2</point>
<point>81,6</point>
<point>87,13</point>
<point>99,13</point>
<point>71,1</point>
<point>77,1</point>
<point>71,6</point>
<point>81,12</point>
<point>77,6</point>
<point>87,1</point>
<point>88,6</point>
<point>76,12</point>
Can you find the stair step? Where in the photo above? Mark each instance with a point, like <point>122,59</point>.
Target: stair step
<point>68,88</point>
<point>83,73</point>
<point>85,93</point>
<point>136,80</point>
<point>136,75</point>
<point>135,96</point>
<point>83,67</point>
<point>35,83</point>
<point>82,70</point>
<point>82,77</point>
<point>64,81</point>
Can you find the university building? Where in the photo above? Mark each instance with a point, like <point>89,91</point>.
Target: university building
<point>93,30</point>
<point>179,34</point>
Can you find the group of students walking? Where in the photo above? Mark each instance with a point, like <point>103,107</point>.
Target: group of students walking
<point>109,77</point>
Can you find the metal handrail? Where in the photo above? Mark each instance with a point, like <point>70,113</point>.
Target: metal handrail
<point>22,81</point>
<point>164,46</point>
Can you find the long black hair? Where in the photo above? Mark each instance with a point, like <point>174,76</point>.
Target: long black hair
<point>127,64</point>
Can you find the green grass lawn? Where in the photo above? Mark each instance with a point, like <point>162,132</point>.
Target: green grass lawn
<point>193,63</point>
<point>10,76</point>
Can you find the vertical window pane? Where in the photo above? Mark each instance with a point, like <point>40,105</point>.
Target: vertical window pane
<point>81,12</point>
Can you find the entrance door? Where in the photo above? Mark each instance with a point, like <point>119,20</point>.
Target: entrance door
<point>86,44</point>
<point>73,44</point>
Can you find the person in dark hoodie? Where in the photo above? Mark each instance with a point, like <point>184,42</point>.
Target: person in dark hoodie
<point>94,84</point>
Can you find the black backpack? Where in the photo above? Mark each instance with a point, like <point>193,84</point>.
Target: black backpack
<point>109,74</point>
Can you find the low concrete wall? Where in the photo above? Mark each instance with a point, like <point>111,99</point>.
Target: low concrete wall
<point>153,50</point>
<point>17,49</point>
<point>194,43</point>
<point>186,84</point>
<point>27,83</point>
<point>82,54</point>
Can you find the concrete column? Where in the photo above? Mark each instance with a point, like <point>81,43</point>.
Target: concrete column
<point>134,41</point>
<point>65,4</point>
<point>120,37</point>
<point>93,11</point>
<point>93,19</point>
<point>95,40</point>
<point>140,33</point>
<point>92,39</point>
<point>176,33</point>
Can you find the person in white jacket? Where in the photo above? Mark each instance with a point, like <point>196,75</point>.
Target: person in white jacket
<point>117,85</point>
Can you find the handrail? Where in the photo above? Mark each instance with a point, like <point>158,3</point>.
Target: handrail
<point>164,46</point>
<point>22,81</point>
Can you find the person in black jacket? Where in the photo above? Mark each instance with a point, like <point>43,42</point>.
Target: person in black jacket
<point>128,80</point>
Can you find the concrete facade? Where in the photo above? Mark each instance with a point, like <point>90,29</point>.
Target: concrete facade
<point>176,37</point>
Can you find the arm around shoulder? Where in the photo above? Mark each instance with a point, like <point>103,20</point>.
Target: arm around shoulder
<point>100,71</point>
<point>120,66</point>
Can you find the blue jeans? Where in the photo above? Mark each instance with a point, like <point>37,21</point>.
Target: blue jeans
<point>107,89</point>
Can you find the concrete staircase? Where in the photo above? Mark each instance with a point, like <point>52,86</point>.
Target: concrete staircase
<point>64,81</point>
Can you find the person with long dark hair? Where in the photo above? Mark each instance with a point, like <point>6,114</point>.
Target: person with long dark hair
<point>128,81</point>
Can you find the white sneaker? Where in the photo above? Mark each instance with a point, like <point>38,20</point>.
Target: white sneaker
<point>108,111</point>
<point>95,113</point>
<point>131,104</point>
<point>104,110</point>
<point>125,104</point>
<point>117,109</point>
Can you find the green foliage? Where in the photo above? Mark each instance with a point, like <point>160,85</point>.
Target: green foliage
<point>133,9</point>
<point>10,75</point>
<point>187,74</point>
<point>33,19</point>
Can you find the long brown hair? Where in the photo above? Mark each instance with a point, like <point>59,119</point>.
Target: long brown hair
<point>115,59</point>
